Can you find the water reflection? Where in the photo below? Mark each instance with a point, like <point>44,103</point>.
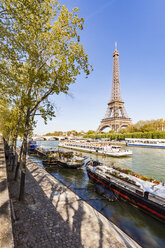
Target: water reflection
<point>147,231</point>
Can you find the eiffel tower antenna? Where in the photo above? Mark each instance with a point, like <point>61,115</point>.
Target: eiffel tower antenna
<point>116,116</point>
<point>115,45</point>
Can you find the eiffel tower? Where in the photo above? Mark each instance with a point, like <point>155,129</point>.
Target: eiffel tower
<point>116,116</point>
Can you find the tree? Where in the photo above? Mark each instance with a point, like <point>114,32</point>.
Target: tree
<point>90,132</point>
<point>41,56</point>
<point>5,117</point>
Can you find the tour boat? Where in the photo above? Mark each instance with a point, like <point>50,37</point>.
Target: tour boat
<point>64,159</point>
<point>143,192</point>
<point>157,143</point>
<point>115,151</point>
<point>102,149</point>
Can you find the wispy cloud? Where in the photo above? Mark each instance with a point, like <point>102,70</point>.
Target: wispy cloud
<point>98,11</point>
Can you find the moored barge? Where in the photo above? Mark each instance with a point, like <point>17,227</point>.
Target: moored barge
<point>148,196</point>
<point>64,159</point>
<point>32,145</point>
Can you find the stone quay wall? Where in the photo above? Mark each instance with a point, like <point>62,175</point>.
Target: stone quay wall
<point>6,236</point>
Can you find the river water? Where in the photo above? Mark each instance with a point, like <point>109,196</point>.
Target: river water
<point>144,229</point>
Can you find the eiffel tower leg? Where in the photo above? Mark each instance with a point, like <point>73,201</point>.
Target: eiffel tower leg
<point>99,129</point>
<point>103,125</point>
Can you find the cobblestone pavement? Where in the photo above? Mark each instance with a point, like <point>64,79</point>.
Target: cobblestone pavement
<point>53,216</point>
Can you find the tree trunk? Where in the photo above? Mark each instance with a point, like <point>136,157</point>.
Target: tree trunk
<point>14,153</point>
<point>10,155</point>
<point>15,159</point>
<point>24,151</point>
<point>18,163</point>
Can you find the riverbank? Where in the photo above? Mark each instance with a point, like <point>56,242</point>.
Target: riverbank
<point>53,216</point>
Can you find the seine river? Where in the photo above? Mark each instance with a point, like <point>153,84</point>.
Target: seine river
<point>144,229</point>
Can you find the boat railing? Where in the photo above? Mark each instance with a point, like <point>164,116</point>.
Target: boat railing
<point>82,146</point>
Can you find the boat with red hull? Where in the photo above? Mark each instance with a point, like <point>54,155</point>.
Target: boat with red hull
<point>147,196</point>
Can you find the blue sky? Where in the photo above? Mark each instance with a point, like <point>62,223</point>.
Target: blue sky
<point>138,26</point>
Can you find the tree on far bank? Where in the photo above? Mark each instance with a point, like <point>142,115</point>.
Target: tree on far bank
<point>90,132</point>
<point>55,133</point>
<point>145,126</point>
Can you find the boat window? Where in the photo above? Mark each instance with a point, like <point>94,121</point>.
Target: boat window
<point>108,177</point>
<point>139,192</point>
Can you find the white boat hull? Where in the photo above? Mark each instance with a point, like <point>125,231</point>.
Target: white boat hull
<point>101,152</point>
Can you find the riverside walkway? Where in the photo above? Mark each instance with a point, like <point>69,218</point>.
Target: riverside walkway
<point>53,216</point>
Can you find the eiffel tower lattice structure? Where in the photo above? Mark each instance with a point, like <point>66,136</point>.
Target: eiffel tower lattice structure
<point>116,116</point>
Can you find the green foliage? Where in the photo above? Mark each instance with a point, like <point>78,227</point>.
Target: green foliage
<point>43,54</point>
<point>90,132</point>
<point>55,133</point>
<point>119,136</point>
<point>146,126</point>
<point>68,133</point>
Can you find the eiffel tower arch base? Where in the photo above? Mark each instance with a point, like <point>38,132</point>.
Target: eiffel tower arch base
<point>114,124</point>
